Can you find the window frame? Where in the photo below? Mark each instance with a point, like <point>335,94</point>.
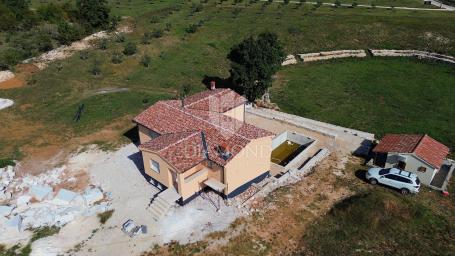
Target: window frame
<point>152,166</point>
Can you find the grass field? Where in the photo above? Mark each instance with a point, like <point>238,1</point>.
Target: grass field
<point>374,94</point>
<point>45,107</point>
<point>382,223</point>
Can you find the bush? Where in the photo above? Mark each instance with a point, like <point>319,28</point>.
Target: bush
<point>130,48</point>
<point>157,33</point>
<point>83,55</point>
<point>192,28</point>
<point>102,45</point>
<point>105,216</point>
<point>145,60</point>
<point>95,69</point>
<point>117,58</point>
<point>6,162</point>
<point>146,38</point>
<point>68,33</point>
<point>120,38</point>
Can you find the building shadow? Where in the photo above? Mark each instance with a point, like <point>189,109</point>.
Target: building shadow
<point>133,135</point>
<point>136,158</point>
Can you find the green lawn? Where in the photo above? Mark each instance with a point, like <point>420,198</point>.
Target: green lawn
<point>376,95</point>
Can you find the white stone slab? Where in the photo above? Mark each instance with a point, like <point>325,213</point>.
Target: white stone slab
<point>5,210</point>
<point>41,193</point>
<point>64,197</point>
<point>93,195</point>
<point>5,103</point>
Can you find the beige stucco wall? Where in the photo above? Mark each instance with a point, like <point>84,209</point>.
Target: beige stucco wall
<point>412,164</point>
<point>237,113</point>
<point>164,176</point>
<point>146,134</point>
<point>191,181</point>
<point>251,162</point>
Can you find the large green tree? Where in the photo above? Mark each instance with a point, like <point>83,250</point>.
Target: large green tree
<point>253,62</point>
<point>94,13</point>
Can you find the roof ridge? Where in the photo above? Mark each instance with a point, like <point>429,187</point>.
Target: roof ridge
<point>209,96</point>
<point>418,143</point>
<point>180,140</point>
<point>240,135</point>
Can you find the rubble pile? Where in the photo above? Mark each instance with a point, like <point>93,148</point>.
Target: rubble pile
<point>290,60</point>
<point>32,202</point>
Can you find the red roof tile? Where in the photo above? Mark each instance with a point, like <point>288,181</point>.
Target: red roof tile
<point>423,146</point>
<point>177,125</point>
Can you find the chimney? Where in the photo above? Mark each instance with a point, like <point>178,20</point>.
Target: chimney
<point>212,85</point>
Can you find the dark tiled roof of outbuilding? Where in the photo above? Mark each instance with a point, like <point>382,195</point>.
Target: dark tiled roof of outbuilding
<point>177,125</point>
<point>423,146</point>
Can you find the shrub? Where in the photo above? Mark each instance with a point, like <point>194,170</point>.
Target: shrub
<point>146,38</point>
<point>354,5</point>
<point>6,162</point>
<point>192,28</point>
<point>130,48</point>
<point>145,60</point>
<point>117,58</point>
<point>83,55</point>
<point>105,216</point>
<point>95,69</point>
<point>120,38</point>
<point>168,27</point>
<point>102,45</point>
<point>157,33</point>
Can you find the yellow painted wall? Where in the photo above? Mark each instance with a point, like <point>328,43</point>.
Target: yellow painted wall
<point>251,162</point>
<point>237,113</point>
<point>164,176</point>
<point>192,184</point>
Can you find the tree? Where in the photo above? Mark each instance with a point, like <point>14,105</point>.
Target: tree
<point>253,62</point>
<point>94,13</point>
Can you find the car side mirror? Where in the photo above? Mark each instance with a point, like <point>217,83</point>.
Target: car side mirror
<point>381,177</point>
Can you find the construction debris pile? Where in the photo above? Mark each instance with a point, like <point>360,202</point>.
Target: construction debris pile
<point>290,60</point>
<point>33,202</point>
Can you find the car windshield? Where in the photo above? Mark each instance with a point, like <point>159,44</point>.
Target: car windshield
<point>417,181</point>
<point>384,171</point>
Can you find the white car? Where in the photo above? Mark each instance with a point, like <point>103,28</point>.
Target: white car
<point>404,181</point>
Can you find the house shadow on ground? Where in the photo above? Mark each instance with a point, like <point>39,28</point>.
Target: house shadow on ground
<point>136,158</point>
<point>133,135</point>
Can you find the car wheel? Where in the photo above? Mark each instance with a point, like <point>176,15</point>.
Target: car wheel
<point>373,181</point>
<point>404,191</point>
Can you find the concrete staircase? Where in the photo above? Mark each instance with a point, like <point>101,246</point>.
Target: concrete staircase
<point>163,203</point>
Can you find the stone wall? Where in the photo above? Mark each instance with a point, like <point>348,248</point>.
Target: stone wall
<point>309,57</point>
<point>413,53</point>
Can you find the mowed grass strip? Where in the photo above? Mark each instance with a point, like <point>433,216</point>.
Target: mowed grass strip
<point>376,95</point>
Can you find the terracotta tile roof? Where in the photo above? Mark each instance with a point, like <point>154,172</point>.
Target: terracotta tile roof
<point>179,128</point>
<point>218,100</point>
<point>423,146</point>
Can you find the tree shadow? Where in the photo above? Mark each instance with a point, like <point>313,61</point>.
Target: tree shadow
<point>133,135</point>
<point>361,175</point>
<point>220,82</point>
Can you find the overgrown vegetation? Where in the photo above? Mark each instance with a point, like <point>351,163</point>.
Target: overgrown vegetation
<point>39,233</point>
<point>27,32</point>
